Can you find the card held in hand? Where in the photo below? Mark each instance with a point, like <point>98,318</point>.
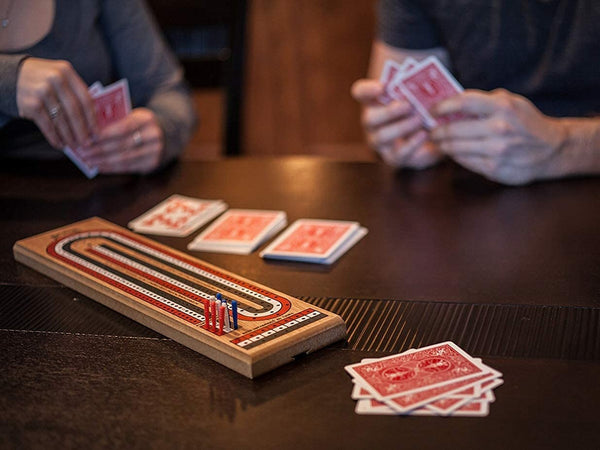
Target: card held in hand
<point>424,84</point>
<point>111,103</point>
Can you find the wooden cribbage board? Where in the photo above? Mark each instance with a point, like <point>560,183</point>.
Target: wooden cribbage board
<point>163,289</point>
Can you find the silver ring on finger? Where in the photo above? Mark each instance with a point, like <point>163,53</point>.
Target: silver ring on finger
<point>137,138</point>
<point>54,112</point>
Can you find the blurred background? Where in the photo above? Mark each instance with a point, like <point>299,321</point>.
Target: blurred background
<point>272,76</point>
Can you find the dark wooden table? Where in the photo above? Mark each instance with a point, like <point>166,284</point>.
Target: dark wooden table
<point>510,274</point>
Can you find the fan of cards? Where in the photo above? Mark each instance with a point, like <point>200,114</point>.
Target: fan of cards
<point>112,103</point>
<point>438,380</point>
<point>241,231</point>
<point>423,84</point>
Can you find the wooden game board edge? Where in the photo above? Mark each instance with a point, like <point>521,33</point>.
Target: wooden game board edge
<point>288,353</point>
<point>240,361</point>
<point>309,333</point>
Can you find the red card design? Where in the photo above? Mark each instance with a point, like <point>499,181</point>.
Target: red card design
<point>239,231</point>
<point>178,216</point>
<point>415,371</point>
<point>112,104</point>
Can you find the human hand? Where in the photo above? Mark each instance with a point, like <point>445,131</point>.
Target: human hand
<point>394,131</point>
<point>134,144</point>
<point>51,94</point>
<point>508,140</point>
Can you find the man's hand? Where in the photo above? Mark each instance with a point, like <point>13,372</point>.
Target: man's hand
<point>508,139</point>
<point>51,94</point>
<point>394,131</point>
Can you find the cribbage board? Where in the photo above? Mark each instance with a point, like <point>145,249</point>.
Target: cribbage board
<point>164,289</point>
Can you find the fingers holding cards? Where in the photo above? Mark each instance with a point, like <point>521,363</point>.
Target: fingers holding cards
<point>110,104</point>
<point>133,144</point>
<point>396,126</point>
<point>51,93</point>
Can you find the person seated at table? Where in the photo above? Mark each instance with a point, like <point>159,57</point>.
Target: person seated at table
<point>52,50</point>
<point>532,79</point>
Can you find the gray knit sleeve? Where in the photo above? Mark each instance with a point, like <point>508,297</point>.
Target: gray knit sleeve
<point>9,72</point>
<point>140,54</point>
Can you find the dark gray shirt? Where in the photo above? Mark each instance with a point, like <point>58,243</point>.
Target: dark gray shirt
<point>104,40</point>
<point>546,50</point>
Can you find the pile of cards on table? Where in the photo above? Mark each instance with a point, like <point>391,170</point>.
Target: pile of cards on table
<point>240,231</point>
<point>437,380</point>
<point>178,216</point>
<point>111,103</point>
<point>423,84</point>
<point>315,241</point>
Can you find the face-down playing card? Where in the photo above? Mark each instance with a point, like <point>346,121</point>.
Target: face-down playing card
<point>178,215</point>
<point>315,240</point>
<point>418,370</point>
<point>239,231</point>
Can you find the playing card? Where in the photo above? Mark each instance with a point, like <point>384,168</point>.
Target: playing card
<point>111,104</point>
<point>474,408</point>
<point>89,172</point>
<point>408,402</point>
<point>390,70</point>
<point>447,405</point>
<point>314,240</point>
<point>392,87</point>
<point>239,231</point>
<point>178,216</point>
<point>411,372</point>
<point>372,406</point>
<point>95,88</point>
<point>463,396</point>
<point>427,84</point>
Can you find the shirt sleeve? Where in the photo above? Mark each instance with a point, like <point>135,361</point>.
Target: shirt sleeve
<point>140,54</point>
<point>9,72</point>
<point>405,24</point>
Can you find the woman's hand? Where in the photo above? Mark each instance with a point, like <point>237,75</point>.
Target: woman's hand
<point>51,94</point>
<point>134,144</point>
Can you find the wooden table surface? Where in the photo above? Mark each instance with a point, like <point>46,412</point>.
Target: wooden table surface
<point>77,375</point>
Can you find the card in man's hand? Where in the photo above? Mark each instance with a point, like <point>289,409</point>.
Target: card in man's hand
<point>425,84</point>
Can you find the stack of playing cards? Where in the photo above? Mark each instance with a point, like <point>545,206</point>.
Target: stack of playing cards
<point>178,216</point>
<point>438,380</point>
<point>112,103</point>
<point>315,241</point>
<point>423,84</point>
<point>239,231</point>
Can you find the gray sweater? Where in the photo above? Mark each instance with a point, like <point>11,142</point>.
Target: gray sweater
<point>104,40</point>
